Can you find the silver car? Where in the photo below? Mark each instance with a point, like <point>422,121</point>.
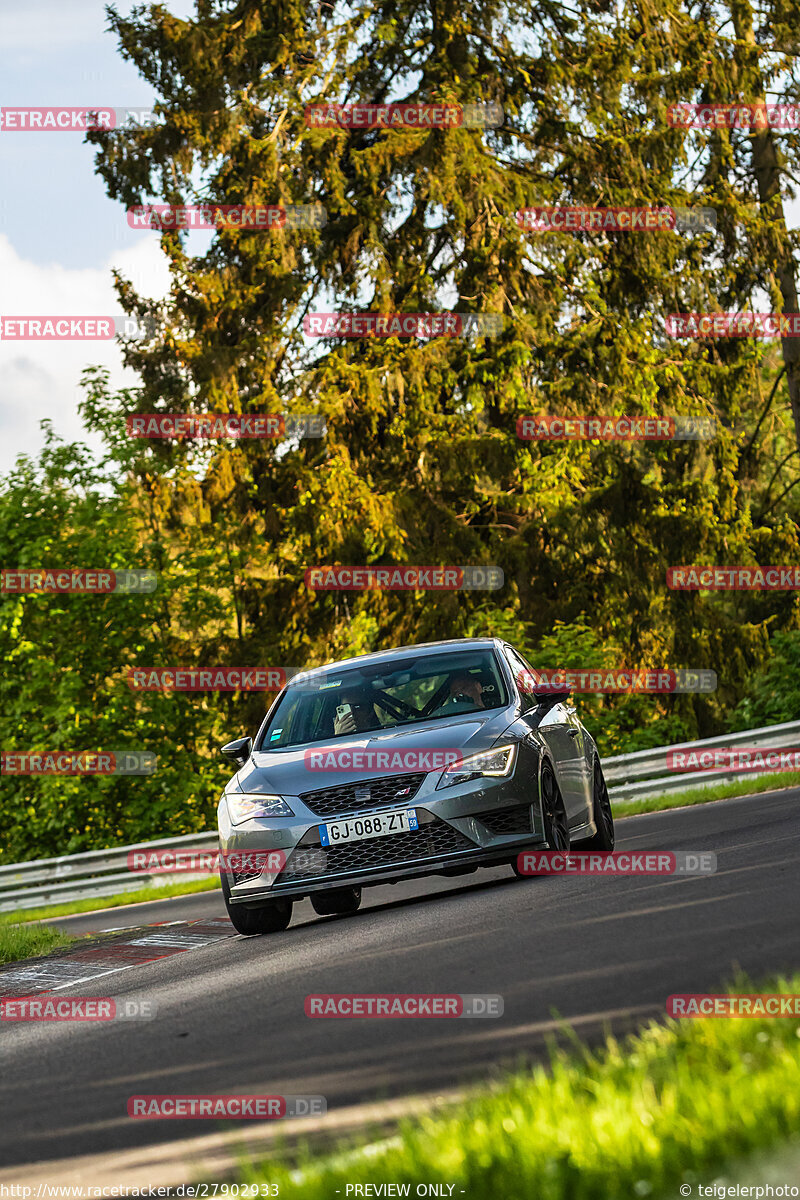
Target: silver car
<point>425,760</point>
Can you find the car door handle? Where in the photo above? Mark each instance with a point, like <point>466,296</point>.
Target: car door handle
<point>574,732</point>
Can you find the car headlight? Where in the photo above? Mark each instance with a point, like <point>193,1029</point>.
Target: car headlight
<point>244,808</point>
<point>495,762</point>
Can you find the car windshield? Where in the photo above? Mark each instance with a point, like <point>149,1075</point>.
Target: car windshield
<point>375,696</point>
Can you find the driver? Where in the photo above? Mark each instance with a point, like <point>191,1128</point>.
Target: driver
<point>464,689</point>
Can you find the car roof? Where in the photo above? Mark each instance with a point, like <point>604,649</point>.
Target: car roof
<point>386,656</point>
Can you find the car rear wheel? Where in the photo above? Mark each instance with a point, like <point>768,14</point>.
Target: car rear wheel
<point>338,902</point>
<point>601,811</point>
<point>271,917</point>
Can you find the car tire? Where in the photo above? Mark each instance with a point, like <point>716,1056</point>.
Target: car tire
<point>336,902</point>
<point>512,862</point>
<point>271,917</point>
<point>554,817</point>
<point>604,838</point>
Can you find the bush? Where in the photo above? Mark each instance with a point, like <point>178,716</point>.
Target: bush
<point>774,695</point>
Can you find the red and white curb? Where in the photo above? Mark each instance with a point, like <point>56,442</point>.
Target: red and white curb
<point>111,953</point>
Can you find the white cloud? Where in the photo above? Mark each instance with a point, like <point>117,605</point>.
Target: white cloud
<point>41,379</point>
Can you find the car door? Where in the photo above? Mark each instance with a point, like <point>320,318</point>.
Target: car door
<point>579,766</point>
<point>563,734</point>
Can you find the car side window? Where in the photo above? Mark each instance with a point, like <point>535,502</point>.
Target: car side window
<point>523,677</point>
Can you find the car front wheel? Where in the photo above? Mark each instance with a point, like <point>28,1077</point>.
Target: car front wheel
<point>270,917</point>
<point>554,817</point>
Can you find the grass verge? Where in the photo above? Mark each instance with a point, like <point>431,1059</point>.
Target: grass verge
<point>140,896</point>
<point>721,791</point>
<point>26,941</point>
<point>670,1105</point>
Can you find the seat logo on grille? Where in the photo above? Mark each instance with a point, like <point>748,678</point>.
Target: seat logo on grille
<point>363,795</point>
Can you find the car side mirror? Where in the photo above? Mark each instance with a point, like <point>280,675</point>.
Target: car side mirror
<point>553,697</point>
<point>238,751</point>
<point>528,684</point>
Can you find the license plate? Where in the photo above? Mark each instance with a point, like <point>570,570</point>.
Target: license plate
<point>358,829</point>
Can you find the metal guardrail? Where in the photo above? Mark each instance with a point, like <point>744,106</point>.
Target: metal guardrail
<point>90,875</point>
<point>98,873</point>
<point>645,772</point>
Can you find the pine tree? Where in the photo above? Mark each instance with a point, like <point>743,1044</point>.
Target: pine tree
<point>421,463</point>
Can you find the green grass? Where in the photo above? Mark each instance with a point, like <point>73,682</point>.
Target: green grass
<point>705,795</point>
<point>672,1104</point>
<point>26,941</point>
<point>140,896</point>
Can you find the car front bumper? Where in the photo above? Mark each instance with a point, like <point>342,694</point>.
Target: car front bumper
<point>473,824</point>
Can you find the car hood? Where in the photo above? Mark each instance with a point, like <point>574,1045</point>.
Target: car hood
<point>293,772</point>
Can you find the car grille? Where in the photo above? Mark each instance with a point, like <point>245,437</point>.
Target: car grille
<point>507,820</point>
<point>245,876</point>
<point>431,840</point>
<point>372,793</point>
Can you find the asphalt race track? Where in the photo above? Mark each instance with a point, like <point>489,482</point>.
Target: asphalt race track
<point>594,951</point>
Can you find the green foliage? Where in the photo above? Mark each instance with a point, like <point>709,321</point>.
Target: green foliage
<point>421,463</point>
<point>67,657</point>
<point>618,722</point>
<point>774,693</point>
